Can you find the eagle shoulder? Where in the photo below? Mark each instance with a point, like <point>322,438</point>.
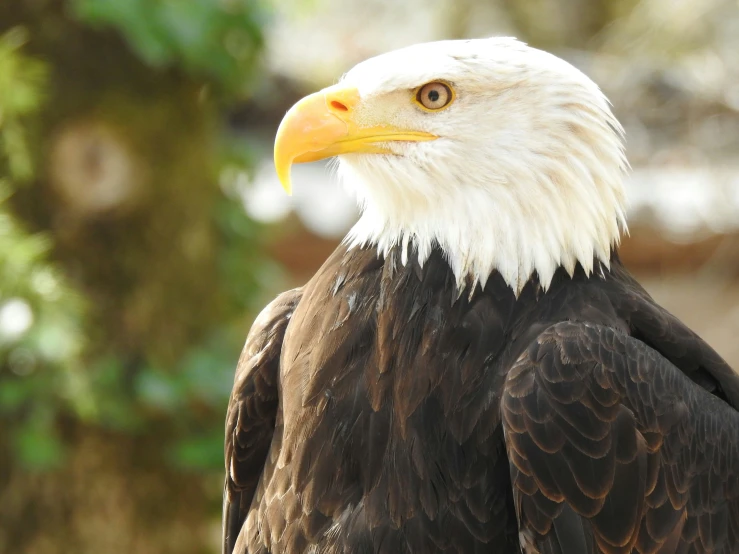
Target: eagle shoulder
<point>252,409</point>
<point>610,444</point>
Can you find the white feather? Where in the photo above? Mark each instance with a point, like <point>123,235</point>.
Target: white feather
<point>525,177</point>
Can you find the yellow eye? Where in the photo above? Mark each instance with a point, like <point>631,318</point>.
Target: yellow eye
<point>435,96</point>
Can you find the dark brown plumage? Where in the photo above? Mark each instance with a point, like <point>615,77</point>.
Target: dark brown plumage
<point>378,410</point>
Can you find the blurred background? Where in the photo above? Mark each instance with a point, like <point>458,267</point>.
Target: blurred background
<point>142,226</point>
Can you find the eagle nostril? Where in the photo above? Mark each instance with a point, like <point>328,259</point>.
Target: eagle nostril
<point>338,106</point>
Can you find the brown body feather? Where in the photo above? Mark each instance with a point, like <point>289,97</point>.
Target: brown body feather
<point>377,410</point>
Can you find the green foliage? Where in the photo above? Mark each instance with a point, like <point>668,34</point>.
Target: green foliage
<point>120,328</point>
<point>40,338</point>
<point>216,38</point>
<point>49,370</point>
<point>21,81</point>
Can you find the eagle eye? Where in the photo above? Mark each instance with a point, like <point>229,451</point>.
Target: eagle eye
<point>434,96</point>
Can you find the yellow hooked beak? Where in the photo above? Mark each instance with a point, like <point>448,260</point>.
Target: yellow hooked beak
<point>322,125</point>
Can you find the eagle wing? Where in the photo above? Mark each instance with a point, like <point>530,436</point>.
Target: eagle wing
<point>613,449</point>
<point>252,410</point>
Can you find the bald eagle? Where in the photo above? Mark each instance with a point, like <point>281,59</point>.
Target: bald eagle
<point>473,369</point>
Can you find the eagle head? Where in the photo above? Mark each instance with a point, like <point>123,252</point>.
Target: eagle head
<point>506,157</point>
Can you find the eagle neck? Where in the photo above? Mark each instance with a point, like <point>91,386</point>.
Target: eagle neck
<point>495,231</point>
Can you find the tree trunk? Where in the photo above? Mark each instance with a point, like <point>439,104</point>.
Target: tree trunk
<point>126,188</point>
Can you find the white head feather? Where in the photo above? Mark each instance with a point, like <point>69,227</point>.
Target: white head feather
<point>525,177</point>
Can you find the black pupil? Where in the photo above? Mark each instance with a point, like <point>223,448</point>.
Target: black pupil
<point>433,95</point>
